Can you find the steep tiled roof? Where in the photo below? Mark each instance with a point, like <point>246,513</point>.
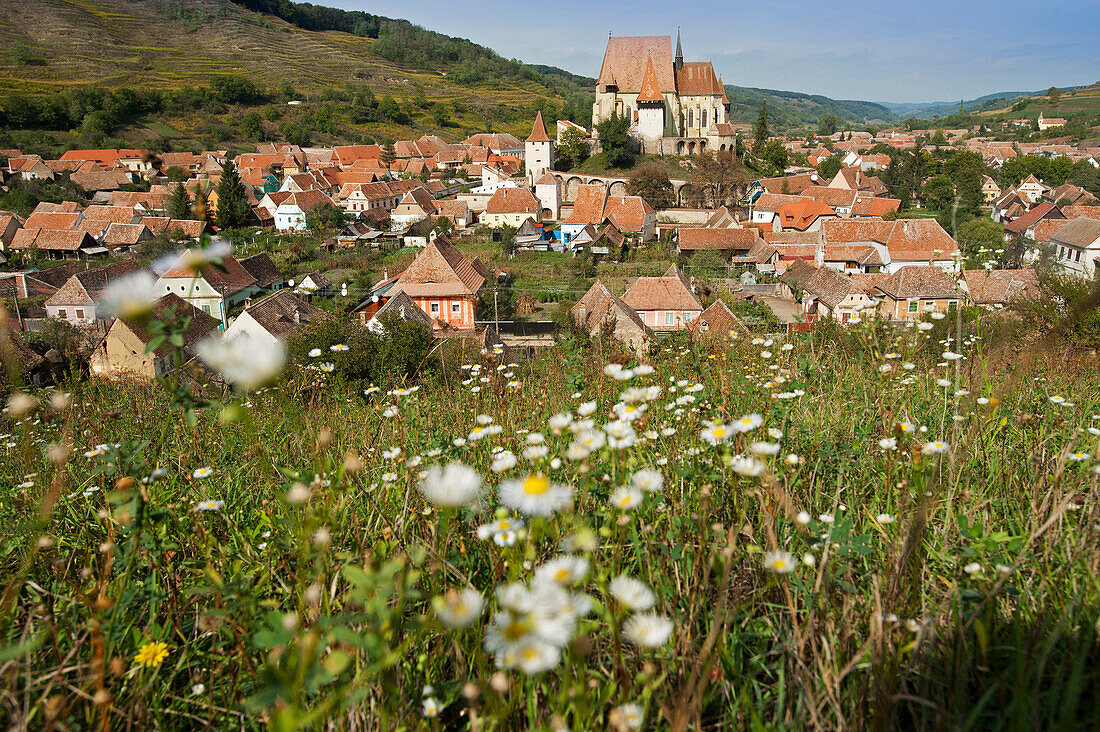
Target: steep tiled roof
<point>228,279</point>
<point>801,214</point>
<point>56,221</point>
<point>262,269</point>
<point>1080,233</point>
<point>85,288</point>
<point>919,281</point>
<point>198,329</point>
<point>827,285</point>
<point>512,201</point>
<point>282,313</point>
<point>866,205</point>
<point>692,239</point>
<point>124,235</point>
<point>668,292</point>
<point>402,306</point>
<point>628,213</point>
<point>1000,285</point>
<point>1046,209</point>
<point>51,240</point>
<point>588,205</point>
<point>697,78</point>
<point>719,320</point>
<point>538,131</point>
<point>651,90</point>
<point>440,270</point>
<point>595,306</point>
<point>906,239</point>
<point>111,214</point>
<point>1076,212</point>
<point>547,179</point>
<point>624,63</point>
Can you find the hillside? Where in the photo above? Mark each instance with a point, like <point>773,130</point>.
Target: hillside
<point>55,45</point>
<point>794,110</point>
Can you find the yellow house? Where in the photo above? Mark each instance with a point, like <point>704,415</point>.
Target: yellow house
<point>990,190</point>
<point>915,291</point>
<point>511,207</point>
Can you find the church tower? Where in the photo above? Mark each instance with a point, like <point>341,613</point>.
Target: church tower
<point>651,106</point>
<point>678,63</point>
<point>538,151</point>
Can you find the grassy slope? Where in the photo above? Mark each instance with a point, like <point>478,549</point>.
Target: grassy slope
<point>793,110</point>
<point>54,44</point>
<point>1084,100</point>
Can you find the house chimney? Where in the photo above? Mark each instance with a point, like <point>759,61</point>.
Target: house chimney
<point>297,317</point>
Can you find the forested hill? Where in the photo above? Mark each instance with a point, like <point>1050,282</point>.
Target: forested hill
<point>794,110</point>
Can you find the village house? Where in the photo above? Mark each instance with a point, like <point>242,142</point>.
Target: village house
<point>415,205</point>
<point>827,293</point>
<point>263,270</point>
<point>9,224</point>
<point>915,291</point>
<point>511,207</point>
<point>56,244</point>
<point>630,214</point>
<point>77,299</point>
<point>122,352</point>
<point>400,306</point>
<point>1024,225</point>
<point>998,287</point>
<point>805,214</point>
<point>905,241</point>
<point>273,318</point>
<point>444,284</point>
<point>1077,246</point>
<point>717,322</point>
<point>548,191</point>
<point>290,214</point>
<point>726,243</point>
<point>990,190</point>
<point>1033,189</point>
<point>213,290</point>
<point>664,303</point>
<point>599,313</point>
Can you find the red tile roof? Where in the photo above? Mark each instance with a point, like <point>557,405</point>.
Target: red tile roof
<point>512,201</point>
<point>538,131</point>
<point>440,271</point>
<point>801,214</point>
<point>668,292</point>
<point>928,282</point>
<point>624,63</point>
<point>695,239</point>
<point>651,90</point>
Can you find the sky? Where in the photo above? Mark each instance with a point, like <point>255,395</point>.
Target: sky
<point>874,50</point>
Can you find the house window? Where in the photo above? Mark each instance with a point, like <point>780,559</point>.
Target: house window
<point>913,306</point>
<point>79,314</point>
<point>669,317</point>
<point>206,309</point>
<point>456,308</point>
<point>951,306</point>
<point>1078,258</point>
<point>435,308</point>
<point>61,313</point>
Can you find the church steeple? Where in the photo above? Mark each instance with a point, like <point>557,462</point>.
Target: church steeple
<point>679,62</point>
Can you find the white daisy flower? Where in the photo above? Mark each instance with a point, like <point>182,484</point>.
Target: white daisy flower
<point>648,630</point>
<point>535,495</point>
<point>454,485</point>
<point>631,593</point>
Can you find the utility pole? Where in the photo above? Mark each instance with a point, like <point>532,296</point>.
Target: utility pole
<point>496,313</point>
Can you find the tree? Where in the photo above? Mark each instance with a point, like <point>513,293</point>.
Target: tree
<point>980,234</point>
<point>233,208</point>
<point>443,225</point>
<point>775,155</point>
<point>828,124</point>
<point>938,193</point>
<point>716,174</point>
<point>618,147</point>
<point>760,129</point>
<point>440,115</point>
<point>200,207</point>
<point>572,148</point>
<point>326,216</point>
<point>938,139</point>
<point>651,183</point>
<point>389,155</point>
<point>1054,94</point>
<point>829,167</point>
<point>176,174</point>
<point>252,125</point>
<point>296,133</point>
<point>179,203</point>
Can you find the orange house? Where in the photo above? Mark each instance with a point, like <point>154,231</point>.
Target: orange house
<point>444,284</point>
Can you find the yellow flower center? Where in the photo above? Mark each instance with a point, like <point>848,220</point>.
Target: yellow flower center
<point>515,630</point>
<point>779,564</point>
<point>561,575</point>
<point>536,485</point>
<point>625,501</point>
<point>719,432</point>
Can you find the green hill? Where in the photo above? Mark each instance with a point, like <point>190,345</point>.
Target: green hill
<point>788,111</point>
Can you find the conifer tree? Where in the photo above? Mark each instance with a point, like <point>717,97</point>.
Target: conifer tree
<point>179,203</point>
<point>233,208</point>
<point>760,129</point>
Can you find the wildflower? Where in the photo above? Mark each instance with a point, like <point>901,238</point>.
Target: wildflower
<point>198,689</point>
<point>20,404</point>
<point>337,348</point>
<point>764,448</point>
<point>430,707</point>
<point>535,452</point>
<point>564,569</point>
<point>649,481</point>
<point>1057,400</point>
<point>486,531</point>
<point>717,433</point>
<point>826,518</point>
<point>888,443</point>
<point>535,495</point>
<point>626,497</point>
<point>884,518</point>
<point>629,412</point>
<point>913,626</point>
<point>779,562</point>
<point>130,296</point>
<point>626,717</point>
<point>458,608</point>
<point>748,423</point>
<point>908,365</point>
<point>924,326</point>
<point>972,568</point>
<point>314,352</point>
<point>244,361</point>
<point>803,518</point>
<point>905,427</point>
<point>389,477</point>
<point>951,356</point>
<point>587,409</point>
<point>1003,569</point>
<point>809,559</point>
<point>391,453</point>
<point>943,382</point>
<point>327,367</point>
<point>648,630</point>
<point>1077,456</point>
<point>201,473</point>
<point>560,422</point>
<point>151,654</point>
<point>747,466</point>
<point>793,459</point>
<point>631,593</point>
<point>885,368</point>
<point>454,485</point>
<point>934,448</point>
<point>503,461</point>
<point>209,505</point>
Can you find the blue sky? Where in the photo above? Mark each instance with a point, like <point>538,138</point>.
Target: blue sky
<point>879,50</point>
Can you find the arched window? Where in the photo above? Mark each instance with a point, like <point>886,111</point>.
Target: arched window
<point>691,118</point>
<point>628,115</point>
<point>703,122</point>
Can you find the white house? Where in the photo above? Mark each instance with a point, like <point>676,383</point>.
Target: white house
<point>1077,246</point>
<point>274,318</point>
<point>290,215</point>
<point>213,290</point>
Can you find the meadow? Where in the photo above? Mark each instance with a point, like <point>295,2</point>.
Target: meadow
<point>886,528</point>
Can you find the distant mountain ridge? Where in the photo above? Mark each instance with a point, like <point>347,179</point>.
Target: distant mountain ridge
<point>926,110</point>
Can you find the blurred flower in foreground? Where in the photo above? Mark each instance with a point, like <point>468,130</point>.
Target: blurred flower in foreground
<point>246,362</point>
<point>129,296</point>
<point>458,608</point>
<point>454,485</point>
<point>779,562</point>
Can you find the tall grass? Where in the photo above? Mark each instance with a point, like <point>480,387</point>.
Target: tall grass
<point>927,589</point>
